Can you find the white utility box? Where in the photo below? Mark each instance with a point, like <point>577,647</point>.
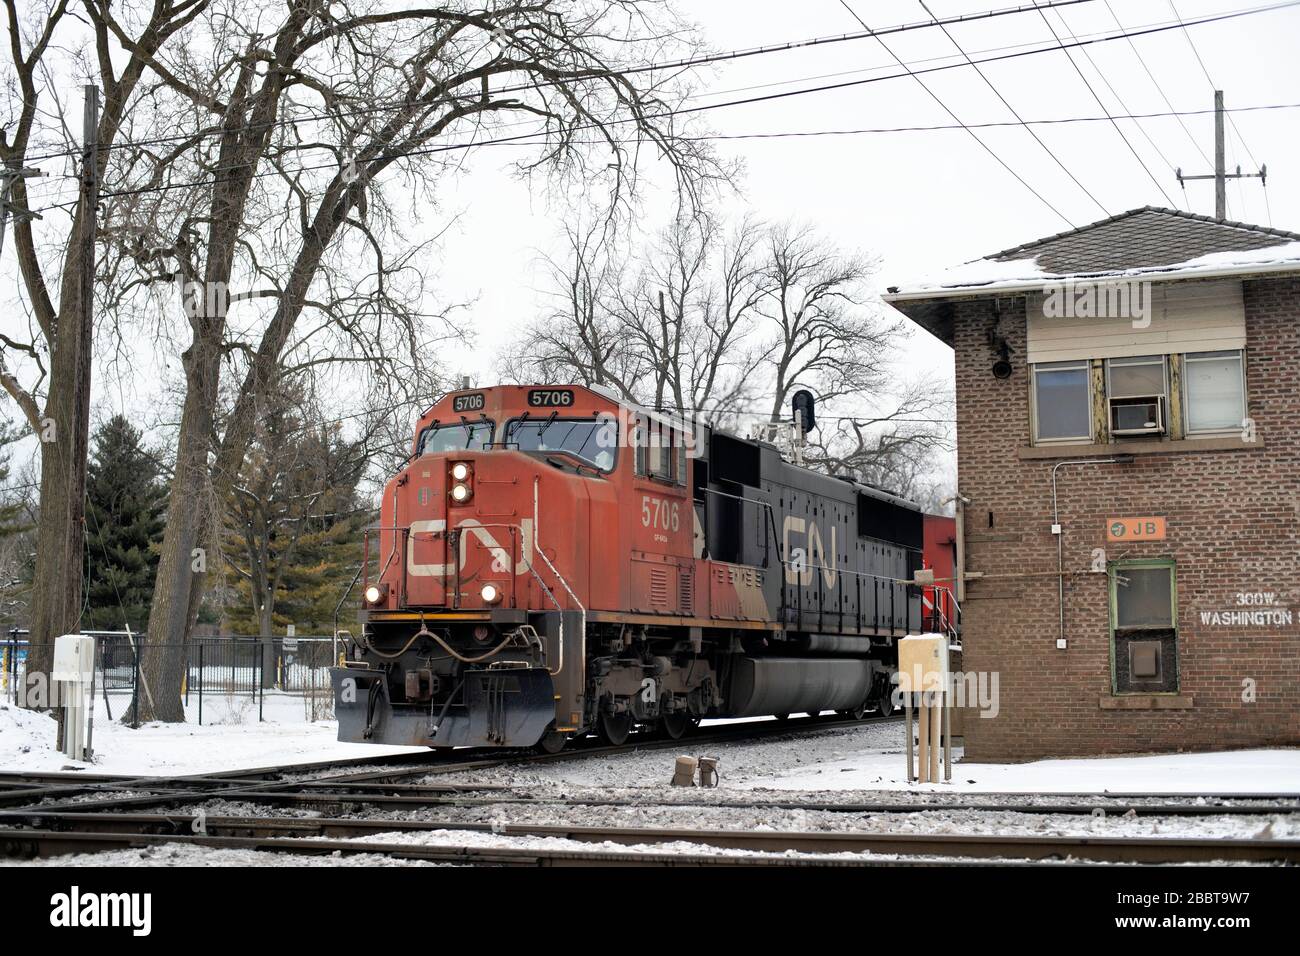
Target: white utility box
<point>74,658</point>
<point>73,675</point>
<point>923,663</point>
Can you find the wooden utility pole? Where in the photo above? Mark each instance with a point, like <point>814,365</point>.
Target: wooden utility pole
<point>84,323</point>
<point>1221,174</point>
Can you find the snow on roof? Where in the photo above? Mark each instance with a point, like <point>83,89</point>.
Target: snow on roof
<point>1022,274</point>
<point>1148,243</point>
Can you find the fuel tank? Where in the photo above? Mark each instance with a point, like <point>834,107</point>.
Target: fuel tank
<point>788,685</point>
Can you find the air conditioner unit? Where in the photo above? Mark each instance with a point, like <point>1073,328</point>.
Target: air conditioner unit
<point>1144,415</point>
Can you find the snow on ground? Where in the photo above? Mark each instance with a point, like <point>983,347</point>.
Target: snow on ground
<point>1239,771</point>
<point>864,758</point>
<point>640,812</point>
<point>870,757</point>
<point>837,765</point>
<point>182,854</point>
<point>27,742</point>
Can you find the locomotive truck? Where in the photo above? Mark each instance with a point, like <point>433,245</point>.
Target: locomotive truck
<point>551,561</point>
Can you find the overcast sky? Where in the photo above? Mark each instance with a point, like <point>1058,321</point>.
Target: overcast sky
<point>922,200</point>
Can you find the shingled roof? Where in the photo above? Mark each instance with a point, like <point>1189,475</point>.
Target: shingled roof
<point>1150,243</point>
<point>1140,239</point>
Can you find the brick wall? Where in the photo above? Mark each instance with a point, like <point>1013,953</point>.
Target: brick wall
<point>1233,526</point>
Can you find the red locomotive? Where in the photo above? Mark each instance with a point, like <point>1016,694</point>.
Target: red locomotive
<point>551,561</point>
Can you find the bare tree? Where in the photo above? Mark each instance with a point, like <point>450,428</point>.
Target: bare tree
<point>49,380</point>
<point>670,327</point>
<point>827,336</point>
<point>578,339</point>
<point>288,228</point>
<point>899,448</point>
<point>730,323</point>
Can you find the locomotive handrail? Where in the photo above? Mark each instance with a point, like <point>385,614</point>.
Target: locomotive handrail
<point>449,533</point>
<point>771,519</point>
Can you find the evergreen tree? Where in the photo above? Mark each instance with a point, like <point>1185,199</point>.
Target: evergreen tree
<point>125,505</point>
<point>293,526</point>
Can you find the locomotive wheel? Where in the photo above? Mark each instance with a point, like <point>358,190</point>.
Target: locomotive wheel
<point>673,726</point>
<point>552,742</point>
<point>885,706</point>
<point>856,713</point>
<point>614,729</point>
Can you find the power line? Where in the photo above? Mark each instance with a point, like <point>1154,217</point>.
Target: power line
<point>877,130</point>
<point>956,119</point>
<point>983,76</point>
<point>684,63</point>
<point>423,151</point>
<point>996,124</point>
<point>1158,27</point>
<point>1115,93</point>
<point>1210,80</point>
<point>1141,59</point>
<point>1077,69</point>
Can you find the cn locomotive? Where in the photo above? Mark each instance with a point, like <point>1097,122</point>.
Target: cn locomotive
<point>551,562</point>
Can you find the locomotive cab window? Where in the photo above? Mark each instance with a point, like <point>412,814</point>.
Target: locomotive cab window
<point>594,441</point>
<point>456,436</point>
<point>660,452</point>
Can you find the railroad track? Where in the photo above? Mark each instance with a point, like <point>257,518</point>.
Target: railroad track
<point>50,814</point>
<point>28,789</point>
<point>155,791</point>
<point>297,835</point>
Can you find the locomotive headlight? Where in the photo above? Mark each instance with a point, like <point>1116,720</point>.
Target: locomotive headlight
<point>490,594</point>
<point>375,595</point>
<point>460,471</point>
<point>460,493</point>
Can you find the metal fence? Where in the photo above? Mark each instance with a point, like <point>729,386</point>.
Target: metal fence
<point>228,679</point>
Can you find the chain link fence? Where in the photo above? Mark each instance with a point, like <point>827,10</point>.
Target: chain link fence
<point>226,679</point>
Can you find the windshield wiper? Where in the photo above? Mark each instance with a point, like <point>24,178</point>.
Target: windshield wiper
<point>547,424</point>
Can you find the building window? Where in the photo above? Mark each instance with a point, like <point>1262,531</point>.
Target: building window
<point>1144,627</point>
<point>1214,385</point>
<point>1062,402</point>
<point>1136,377</point>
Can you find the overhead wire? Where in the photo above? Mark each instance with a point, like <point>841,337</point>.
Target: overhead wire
<point>1141,162</point>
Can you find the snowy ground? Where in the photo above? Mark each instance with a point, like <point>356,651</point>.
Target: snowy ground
<point>865,758</point>
<point>870,758</point>
<point>27,742</point>
<point>862,764</point>
<point>177,854</point>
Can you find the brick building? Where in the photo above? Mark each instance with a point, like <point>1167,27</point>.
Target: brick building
<point>1128,414</point>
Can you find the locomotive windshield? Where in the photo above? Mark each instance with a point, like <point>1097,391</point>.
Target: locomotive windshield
<point>456,436</point>
<point>592,441</point>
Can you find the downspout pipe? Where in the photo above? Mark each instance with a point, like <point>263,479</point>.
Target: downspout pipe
<point>1060,532</point>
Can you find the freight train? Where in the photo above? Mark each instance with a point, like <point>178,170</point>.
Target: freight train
<point>551,562</point>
